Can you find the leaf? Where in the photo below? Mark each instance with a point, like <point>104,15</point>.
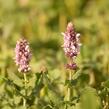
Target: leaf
<point>77,74</point>
<point>105,84</point>
<point>38,77</point>
<point>71,83</point>
<point>13,85</point>
<point>89,99</point>
<point>36,90</point>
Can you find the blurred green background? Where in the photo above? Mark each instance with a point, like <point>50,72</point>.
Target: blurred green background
<point>41,23</point>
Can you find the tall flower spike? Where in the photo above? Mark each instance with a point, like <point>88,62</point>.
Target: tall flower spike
<point>71,44</point>
<point>22,55</point>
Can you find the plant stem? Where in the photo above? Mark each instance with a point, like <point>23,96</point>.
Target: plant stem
<point>25,88</point>
<point>69,88</point>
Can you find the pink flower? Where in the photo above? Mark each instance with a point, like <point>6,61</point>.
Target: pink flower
<point>71,44</point>
<point>23,55</point>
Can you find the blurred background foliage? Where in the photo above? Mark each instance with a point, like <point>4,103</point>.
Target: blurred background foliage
<point>41,23</point>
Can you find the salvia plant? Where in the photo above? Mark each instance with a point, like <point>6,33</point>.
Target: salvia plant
<point>54,54</point>
<point>22,59</point>
<point>71,48</point>
<point>40,95</point>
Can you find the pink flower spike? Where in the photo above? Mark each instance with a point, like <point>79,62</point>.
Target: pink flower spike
<point>22,55</point>
<point>71,45</point>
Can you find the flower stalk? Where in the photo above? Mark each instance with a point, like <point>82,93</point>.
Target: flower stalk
<point>22,59</point>
<point>69,88</point>
<point>71,49</point>
<point>25,89</point>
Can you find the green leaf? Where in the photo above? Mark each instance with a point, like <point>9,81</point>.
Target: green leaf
<point>106,84</point>
<point>71,83</point>
<point>38,77</point>
<point>89,99</point>
<point>77,74</point>
<point>13,85</point>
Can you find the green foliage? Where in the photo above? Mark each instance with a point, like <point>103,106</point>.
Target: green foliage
<point>90,99</point>
<point>41,23</point>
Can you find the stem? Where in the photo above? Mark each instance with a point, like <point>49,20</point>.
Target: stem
<point>69,88</point>
<point>25,88</point>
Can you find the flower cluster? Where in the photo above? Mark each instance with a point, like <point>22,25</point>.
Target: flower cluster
<point>71,45</point>
<point>23,55</point>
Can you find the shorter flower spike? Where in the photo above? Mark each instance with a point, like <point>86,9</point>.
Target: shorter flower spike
<point>22,55</point>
